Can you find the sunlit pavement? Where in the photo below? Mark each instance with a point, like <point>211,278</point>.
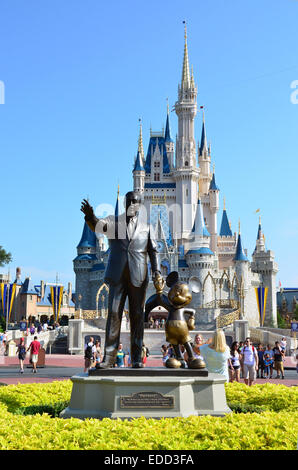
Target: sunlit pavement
<point>62,367</point>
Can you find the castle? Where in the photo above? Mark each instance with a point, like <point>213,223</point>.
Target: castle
<point>181,197</point>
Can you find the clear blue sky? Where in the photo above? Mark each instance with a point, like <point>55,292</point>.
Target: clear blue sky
<point>79,74</point>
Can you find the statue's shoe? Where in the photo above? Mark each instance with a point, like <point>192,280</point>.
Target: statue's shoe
<point>107,363</point>
<point>196,364</point>
<point>137,365</point>
<point>173,363</point>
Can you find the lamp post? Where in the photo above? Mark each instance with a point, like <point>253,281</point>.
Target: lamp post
<point>80,310</point>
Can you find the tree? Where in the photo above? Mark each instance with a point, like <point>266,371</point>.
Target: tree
<point>4,257</point>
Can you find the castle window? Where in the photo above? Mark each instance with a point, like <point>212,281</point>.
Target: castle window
<point>186,163</point>
<point>156,177</point>
<point>156,164</point>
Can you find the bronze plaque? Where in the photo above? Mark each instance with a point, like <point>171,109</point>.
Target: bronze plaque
<point>147,400</point>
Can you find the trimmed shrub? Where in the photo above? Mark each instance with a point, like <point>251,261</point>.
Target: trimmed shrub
<point>275,428</point>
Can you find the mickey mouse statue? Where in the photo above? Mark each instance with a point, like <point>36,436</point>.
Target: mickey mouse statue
<point>177,326</point>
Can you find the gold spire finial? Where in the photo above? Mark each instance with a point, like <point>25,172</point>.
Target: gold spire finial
<point>118,191</point>
<point>224,203</point>
<point>259,220</point>
<point>168,107</point>
<point>185,71</point>
<point>239,227</point>
<point>140,140</point>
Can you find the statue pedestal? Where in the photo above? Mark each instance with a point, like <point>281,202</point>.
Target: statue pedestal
<point>150,392</point>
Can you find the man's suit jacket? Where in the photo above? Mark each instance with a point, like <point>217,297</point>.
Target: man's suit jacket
<point>122,250</point>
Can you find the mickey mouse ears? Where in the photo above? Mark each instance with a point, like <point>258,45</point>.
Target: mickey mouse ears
<point>172,278</point>
<point>194,282</point>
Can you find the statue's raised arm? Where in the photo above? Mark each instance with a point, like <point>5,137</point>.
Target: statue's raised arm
<point>87,209</point>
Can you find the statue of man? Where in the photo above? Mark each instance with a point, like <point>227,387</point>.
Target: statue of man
<point>130,243</point>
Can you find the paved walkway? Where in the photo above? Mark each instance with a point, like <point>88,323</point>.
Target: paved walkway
<point>62,367</point>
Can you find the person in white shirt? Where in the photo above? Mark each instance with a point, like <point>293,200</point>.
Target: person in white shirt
<point>234,363</point>
<point>250,362</point>
<point>283,344</point>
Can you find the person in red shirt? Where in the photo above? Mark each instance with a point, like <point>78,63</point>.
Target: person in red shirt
<point>34,347</point>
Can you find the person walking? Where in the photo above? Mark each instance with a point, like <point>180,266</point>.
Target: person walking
<point>21,352</point>
<point>145,354</point>
<point>268,365</point>
<point>278,360</point>
<point>216,354</point>
<point>34,350</point>
<point>32,329</point>
<point>98,353</point>
<point>269,351</point>
<point>165,354</point>
<point>261,361</point>
<point>250,362</point>
<point>120,358</point>
<point>89,355</point>
<point>234,363</point>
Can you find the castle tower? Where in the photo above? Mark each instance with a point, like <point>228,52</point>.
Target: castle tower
<point>82,265</point>
<point>139,170</point>
<point>214,207</point>
<point>169,143</point>
<point>226,243</point>
<point>204,158</point>
<point>241,268</point>
<point>187,172</point>
<point>263,262</point>
<point>200,258</point>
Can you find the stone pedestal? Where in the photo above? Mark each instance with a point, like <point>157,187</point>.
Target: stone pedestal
<point>150,392</point>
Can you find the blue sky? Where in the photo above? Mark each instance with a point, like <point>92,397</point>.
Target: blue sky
<point>79,74</point>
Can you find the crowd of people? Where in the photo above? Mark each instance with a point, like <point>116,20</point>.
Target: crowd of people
<point>241,360</point>
<point>93,355</point>
<point>157,324</point>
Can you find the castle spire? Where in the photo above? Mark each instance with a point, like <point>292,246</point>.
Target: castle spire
<point>240,255</point>
<point>203,145</point>
<point>140,141</point>
<point>225,229</point>
<point>185,81</point>
<point>168,137</point>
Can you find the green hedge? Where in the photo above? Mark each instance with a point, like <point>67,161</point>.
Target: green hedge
<point>271,424</point>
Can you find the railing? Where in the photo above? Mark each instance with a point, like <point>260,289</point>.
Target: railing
<point>226,303</point>
<point>89,314</point>
<point>227,319</point>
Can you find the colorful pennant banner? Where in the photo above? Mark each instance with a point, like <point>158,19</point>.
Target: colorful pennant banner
<point>56,299</point>
<point>261,294</point>
<point>7,296</point>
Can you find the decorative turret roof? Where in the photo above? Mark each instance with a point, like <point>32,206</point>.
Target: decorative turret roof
<point>204,250</point>
<point>240,255</point>
<point>199,227</point>
<point>203,145</point>
<point>168,137</point>
<point>225,229</point>
<point>213,186</point>
<point>28,288</point>
<point>138,163</point>
<point>88,239</point>
<point>260,243</point>
<point>153,143</point>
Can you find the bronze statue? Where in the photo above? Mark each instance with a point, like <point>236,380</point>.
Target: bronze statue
<point>130,244</point>
<point>177,326</point>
